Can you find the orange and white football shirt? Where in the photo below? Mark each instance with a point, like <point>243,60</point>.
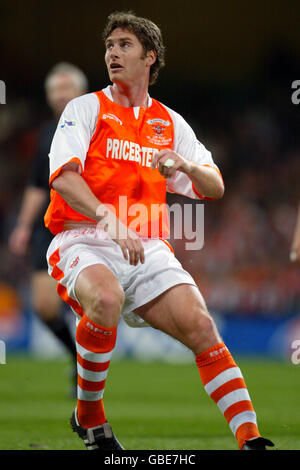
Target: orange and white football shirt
<point>114,146</point>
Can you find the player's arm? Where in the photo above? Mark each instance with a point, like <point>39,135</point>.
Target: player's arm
<point>206,180</point>
<point>188,166</point>
<point>75,191</point>
<point>78,195</point>
<point>67,159</point>
<point>295,248</point>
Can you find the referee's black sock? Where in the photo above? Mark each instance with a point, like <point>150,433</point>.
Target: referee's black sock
<point>61,330</point>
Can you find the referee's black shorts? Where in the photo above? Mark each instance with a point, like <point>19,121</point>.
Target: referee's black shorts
<point>41,239</point>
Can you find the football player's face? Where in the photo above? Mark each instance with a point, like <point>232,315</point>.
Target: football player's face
<point>61,89</point>
<point>125,59</point>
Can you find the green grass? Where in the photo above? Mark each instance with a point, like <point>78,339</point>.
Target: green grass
<point>149,405</point>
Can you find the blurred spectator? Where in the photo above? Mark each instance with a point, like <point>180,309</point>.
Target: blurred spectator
<point>29,235</point>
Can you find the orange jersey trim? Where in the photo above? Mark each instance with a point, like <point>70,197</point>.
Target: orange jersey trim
<point>57,201</point>
<point>168,245</point>
<point>59,170</point>
<point>58,274</point>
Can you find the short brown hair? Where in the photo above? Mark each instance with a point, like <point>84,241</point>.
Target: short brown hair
<point>147,32</point>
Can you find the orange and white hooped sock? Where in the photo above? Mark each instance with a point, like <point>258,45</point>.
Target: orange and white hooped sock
<point>95,345</point>
<point>224,383</point>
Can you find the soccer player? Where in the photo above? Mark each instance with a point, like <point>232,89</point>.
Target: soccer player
<point>63,83</point>
<point>115,153</point>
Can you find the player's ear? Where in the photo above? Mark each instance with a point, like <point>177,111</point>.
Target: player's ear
<point>151,57</point>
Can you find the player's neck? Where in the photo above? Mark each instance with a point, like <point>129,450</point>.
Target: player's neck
<point>130,96</point>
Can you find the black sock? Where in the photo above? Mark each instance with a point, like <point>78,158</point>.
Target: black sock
<point>60,328</point>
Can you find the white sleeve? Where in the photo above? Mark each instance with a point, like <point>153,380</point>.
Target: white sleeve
<point>187,145</point>
<point>75,129</point>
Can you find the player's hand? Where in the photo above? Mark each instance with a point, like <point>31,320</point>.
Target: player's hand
<point>128,240</point>
<point>19,240</point>
<point>131,247</point>
<point>167,161</point>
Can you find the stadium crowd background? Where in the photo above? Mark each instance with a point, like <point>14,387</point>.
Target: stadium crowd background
<point>238,103</point>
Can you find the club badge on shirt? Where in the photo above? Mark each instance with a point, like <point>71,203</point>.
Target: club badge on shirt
<point>159,127</point>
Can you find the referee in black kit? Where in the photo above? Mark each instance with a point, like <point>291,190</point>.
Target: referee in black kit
<point>63,83</point>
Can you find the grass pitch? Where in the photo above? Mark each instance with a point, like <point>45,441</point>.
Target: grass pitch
<point>149,405</point>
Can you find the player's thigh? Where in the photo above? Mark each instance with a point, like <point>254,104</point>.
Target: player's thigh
<point>100,294</point>
<point>45,300</point>
<point>181,312</point>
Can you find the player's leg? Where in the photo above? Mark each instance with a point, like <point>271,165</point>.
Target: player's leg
<point>100,294</point>
<point>181,313</point>
<point>101,297</point>
<point>49,306</point>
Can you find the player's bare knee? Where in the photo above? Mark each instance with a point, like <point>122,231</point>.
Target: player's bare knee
<point>207,325</point>
<point>202,332</point>
<point>105,306</point>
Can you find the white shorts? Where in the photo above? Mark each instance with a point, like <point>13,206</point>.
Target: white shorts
<point>72,251</point>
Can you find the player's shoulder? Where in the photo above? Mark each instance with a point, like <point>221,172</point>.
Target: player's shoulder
<point>84,109</point>
<point>84,101</point>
